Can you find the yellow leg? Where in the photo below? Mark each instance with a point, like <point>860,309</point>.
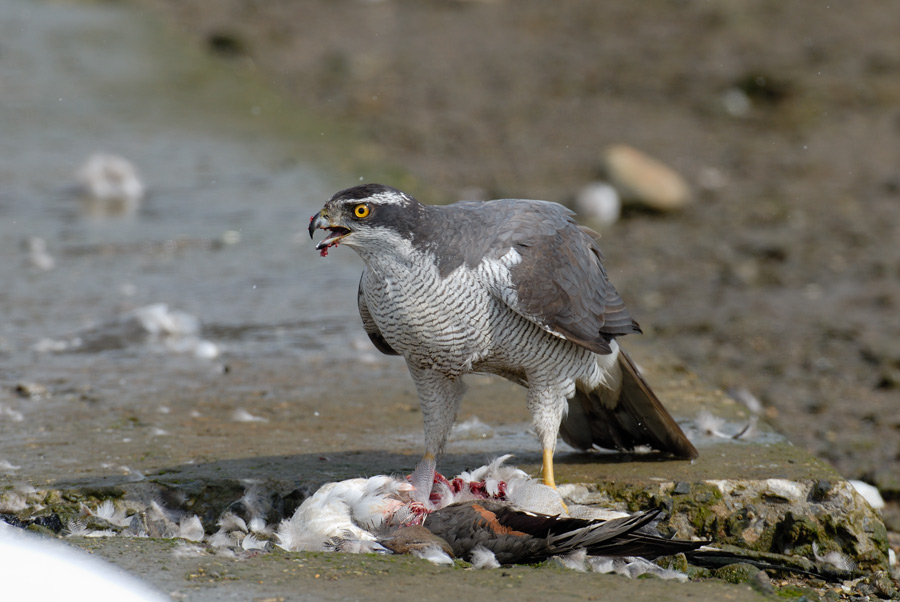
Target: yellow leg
<point>547,468</point>
<point>547,472</point>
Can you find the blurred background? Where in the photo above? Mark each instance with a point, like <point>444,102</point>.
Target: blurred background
<point>740,158</point>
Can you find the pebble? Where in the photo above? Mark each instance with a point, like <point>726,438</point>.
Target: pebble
<point>736,102</point>
<point>643,180</point>
<point>739,572</point>
<point>32,390</point>
<point>111,185</point>
<point>599,202</point>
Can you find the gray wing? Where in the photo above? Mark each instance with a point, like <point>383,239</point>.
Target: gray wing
<point>559,280</point>
<point>369,324</point>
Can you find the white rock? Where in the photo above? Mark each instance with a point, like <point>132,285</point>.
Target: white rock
<point>599,202</point>
<point>736,102</point>
<point>784,489</point>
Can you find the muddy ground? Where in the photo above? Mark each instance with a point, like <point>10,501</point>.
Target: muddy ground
<point>782,278</point>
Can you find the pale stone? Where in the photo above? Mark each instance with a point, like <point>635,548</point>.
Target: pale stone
<point>644,180</point>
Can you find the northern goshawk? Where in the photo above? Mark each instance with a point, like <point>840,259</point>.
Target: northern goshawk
<point>509,287</point>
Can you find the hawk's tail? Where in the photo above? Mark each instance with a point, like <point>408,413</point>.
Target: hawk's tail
<point>634,416</point>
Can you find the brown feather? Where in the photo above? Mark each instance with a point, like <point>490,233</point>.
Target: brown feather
<point>635,417</point>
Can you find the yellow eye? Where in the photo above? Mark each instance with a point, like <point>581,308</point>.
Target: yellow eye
<point>361,210</point>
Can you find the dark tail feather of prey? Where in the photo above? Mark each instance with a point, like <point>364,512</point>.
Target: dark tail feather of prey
<point>636,418</point>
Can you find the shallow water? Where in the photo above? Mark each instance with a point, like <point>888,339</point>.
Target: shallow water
<point>82,78</point>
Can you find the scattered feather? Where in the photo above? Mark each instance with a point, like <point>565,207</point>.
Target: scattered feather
<point>159,320</point>
<point>10,414</point>
<point>101,533</point>
<point>114,516</point>
<point>257,525</point>
<point>433,554</point>
<point>230,521</point>
<point>242,415</point>
<point>869,492</point>
<point>76,528</point>
<point>251,542</point>
<point>749,429</point>
<point>136,475</point>
<point>7,466</point>
<point>186,550</point>
<point>632,567</point>
<point>575,560</point>
<point>38,256</point>
<point>48,345</point>
<point>472,429</point>
<point>711,425</point>
<point>836,559</point>
<point>190,528</point>
<point>748,399</point>
<point>222,539</point>
<point>482,558</point>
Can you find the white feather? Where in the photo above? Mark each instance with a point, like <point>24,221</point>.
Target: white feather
<point>231,522</point>
<point>433,554</point>
<point>190,528</point>
<point>186,550</point>
<point>632,567</point>
<point>257,525</point>
<point>251,542</point>
<point>222,539</point>
<point>342,512</point>
<point>574,560</point>
<point>482,558</point>
<point>114,516</point>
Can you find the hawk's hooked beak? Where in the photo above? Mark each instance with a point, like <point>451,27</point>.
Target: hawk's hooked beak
<point>320,221</point>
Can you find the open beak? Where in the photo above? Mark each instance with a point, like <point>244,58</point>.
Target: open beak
<point>335,232</point>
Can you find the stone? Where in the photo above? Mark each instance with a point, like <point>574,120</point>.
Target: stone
<point>643,180</point>
<point>761,583</point>
<point>32,390</point>
<point>598,202</point>
<point>740,572</point>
